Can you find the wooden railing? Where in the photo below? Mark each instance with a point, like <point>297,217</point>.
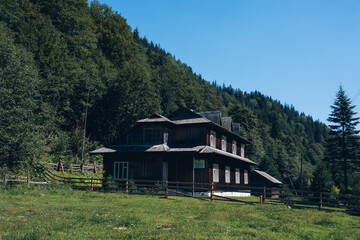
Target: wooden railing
<point>74,167</point>
<point>213,192</point>
<point>9,178</point>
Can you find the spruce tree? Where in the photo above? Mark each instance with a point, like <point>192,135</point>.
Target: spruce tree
<point>343,141</point>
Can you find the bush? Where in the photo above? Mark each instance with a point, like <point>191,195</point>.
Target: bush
<point>110,185</point>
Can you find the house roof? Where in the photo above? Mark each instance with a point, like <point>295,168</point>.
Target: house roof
<point>268,176</point>
<point>165,148</point>
<point>184,113</point>
<point>208,150</point>
<point>155,118</point>
<point>131,148</point>
<point>191,120</point>
<point>187,116</point>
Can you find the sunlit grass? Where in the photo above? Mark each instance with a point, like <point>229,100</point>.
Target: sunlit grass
<point>55,212</point>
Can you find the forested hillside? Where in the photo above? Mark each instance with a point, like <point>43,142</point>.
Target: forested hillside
<point>55,56</point>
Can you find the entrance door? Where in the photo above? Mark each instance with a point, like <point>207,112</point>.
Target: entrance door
<point>165,171</point>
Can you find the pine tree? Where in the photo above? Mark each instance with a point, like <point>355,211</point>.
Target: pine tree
<point>343,141</point>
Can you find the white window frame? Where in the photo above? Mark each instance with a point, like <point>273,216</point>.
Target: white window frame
<point>125,170</point>
<point>242,150</point>
<point>246,177</point>
<point>215,172</point>
<point>237,176</point>
<point>227,174</point>
<point>234,147</point>
<point>212,138</point>
<point>223,143</point>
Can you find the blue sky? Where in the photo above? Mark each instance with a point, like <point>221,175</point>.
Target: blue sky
<point>297,52</point>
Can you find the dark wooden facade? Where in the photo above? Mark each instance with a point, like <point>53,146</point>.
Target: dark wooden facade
<point>160,148</point>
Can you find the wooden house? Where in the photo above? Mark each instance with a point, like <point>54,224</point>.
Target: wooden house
<point>185,147</point>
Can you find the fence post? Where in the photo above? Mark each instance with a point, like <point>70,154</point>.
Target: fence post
<point>261,200</point>
<point>28,177</point>
<point>320,206</point>
<point>92,184</point>
<point>166,189</point>
<point>60,167</point>
<point>212,191</point>
<point>264,196</point>
<point>127,187</point>
<point>4,179</point>
<point>95,167</point>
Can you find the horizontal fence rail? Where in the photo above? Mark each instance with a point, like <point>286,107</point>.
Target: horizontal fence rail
<point>213,192</point>
<point>74,167</point>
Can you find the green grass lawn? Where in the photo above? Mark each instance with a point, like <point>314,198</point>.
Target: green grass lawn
<point>53,212</point>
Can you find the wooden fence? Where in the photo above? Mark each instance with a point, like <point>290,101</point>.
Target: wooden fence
<point>4,179</point>
<point>74,167</point>
<point>215,192</point>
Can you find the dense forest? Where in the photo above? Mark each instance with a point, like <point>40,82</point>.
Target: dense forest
<point>59,58</point>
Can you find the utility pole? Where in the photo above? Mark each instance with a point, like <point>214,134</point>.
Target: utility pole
<point>83,144</point>
<point>301,170</point>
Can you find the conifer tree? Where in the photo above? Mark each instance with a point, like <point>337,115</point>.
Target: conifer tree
<point>343,141</point>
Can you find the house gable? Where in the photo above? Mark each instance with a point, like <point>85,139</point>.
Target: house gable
<point>183,113</point>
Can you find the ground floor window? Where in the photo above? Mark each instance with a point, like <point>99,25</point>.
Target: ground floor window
<point>227,174</point>
<point>246,177</point>
<point>121,170</point>
<point>237,175</point>
<point>215,172</point>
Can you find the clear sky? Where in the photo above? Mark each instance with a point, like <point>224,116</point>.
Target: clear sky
<point>298,52</point>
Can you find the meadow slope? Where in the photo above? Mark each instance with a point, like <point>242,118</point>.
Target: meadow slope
<point>61,213</point>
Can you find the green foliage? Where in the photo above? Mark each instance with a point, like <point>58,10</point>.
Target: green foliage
<point>354,181</point>
<point>132,186</point>
<point>54,53</point>
<point>19,82</point>
<point>322,181</point>
<point>110,184</point>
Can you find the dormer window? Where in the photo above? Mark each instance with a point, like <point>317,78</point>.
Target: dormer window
<point>234,147</point>
<point>212,139</point>
<point>242,150</point>
<point>223,143</point>
<point>152,136</point>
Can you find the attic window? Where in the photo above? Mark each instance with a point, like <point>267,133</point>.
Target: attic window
<point>242,151</point>
<point>234,147</point>
<point>212,139</point>
<point>152,135</point>
<point>223,143</point>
